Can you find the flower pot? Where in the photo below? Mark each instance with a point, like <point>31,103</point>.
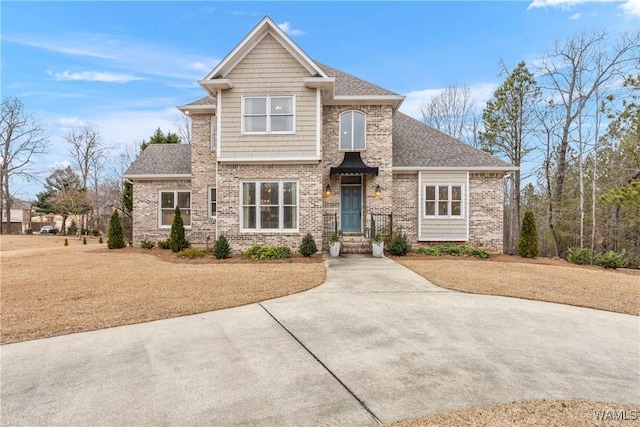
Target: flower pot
<point>334,249</point>
<point>377,249</point>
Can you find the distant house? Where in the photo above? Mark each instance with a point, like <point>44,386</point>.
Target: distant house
<point>20,217</point>
<point>283,145</point>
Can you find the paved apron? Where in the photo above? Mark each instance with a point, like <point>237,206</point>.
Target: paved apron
<point>374,343</point>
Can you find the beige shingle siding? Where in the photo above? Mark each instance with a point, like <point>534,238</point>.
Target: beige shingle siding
<point>443,228</point>
<point>268,70</point>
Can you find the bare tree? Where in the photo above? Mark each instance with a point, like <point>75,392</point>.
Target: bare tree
<point>184,129</point>
<point>452,111</point>
<point>571,74</point>
<point>22,139</point>
<point>86,149</point>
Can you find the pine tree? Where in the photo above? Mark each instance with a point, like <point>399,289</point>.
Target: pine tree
<point>221,248</point>
<point>115,236</point>
<point>528,244</point>
<point>177,239</point>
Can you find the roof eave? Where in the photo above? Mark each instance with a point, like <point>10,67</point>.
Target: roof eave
<point>506,168</point>
<point>394,100</point>
<point>197,109</point>
<point>212,86</point>
<point>156,177</point>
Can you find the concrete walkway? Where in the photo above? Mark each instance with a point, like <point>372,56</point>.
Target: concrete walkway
<point>375,343</point>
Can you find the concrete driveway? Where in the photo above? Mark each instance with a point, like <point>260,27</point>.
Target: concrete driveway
<point>375,343</point>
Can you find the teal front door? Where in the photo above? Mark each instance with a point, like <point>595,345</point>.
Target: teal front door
<point>351,208</point>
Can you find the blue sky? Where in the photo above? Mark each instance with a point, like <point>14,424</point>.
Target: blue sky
<point>122,67</point>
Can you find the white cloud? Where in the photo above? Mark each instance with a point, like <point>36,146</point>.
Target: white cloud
<point>575,17</point>
<point>132,56</point>
<point>411,106</point>
<point>59,164</point>
<point>286,27</point>
<point>71,122</point>
<point>631,7</point>
<point>96,76</point>
<point>564,4</point>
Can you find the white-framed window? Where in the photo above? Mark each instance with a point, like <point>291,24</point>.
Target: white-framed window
<point>169,199</point>
<point>268,114</point>
<point>443,201</point>
<point>213,202</point>
<point>269,205</point>
<point>353,130</point>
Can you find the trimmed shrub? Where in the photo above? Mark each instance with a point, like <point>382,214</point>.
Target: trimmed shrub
<point>95,232</point>
<point>177,239</point>
<point>610,259</point>
<point>66,242</point>
<point>192,253</point>
<point>84,240</point>
<point>146,244</point>
<point>115,236</point>
<point>100,240</point>
<point>580,256</point>
<point>221,248</point>
<point>399,245</point>
<point>308,246</point>
<point>455,250</point>
<point>260,253</point>
<point>528,243</point>
<point>164,244</point>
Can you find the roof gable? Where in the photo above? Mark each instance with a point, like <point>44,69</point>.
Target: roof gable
<point>264,27</point>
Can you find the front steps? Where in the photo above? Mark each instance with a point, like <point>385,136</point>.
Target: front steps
<point>355,245</point>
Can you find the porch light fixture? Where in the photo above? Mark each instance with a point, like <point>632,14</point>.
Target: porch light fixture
<point>327,191</point>
<point>378,191</point>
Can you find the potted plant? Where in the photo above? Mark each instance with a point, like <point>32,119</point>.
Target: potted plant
<point>334,245</point>
<point>377,246</point>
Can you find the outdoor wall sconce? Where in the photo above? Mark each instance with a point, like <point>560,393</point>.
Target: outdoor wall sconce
<point>327,191</point>
<point>377,192</point>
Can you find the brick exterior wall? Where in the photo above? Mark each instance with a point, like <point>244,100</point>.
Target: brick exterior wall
<point>378,153</point>
<point>485,210</point>
<point>203,170</point>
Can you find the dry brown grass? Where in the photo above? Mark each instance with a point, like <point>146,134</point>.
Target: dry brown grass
<point>534,413</point>
<point>49,289</point>
<point>541,279</point>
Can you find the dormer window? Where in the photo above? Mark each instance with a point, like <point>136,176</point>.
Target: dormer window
<point>268,114</point>
<point>353,127</point>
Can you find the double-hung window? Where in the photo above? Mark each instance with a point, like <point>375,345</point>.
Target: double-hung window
<point>352,130</point>
<point>443,200</point>
<point>269,205</point>
<point>168,202</point>
<point>268,114</point>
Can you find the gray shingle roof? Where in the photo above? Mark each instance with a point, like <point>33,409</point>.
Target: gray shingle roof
<point>162,159</point>
<point>207,100</point>
<point>418,145</point>
<point>348,85</point>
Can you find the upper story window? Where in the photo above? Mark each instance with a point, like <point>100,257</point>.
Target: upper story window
<point>443,200</point>
<point>353,127</point>
<point>268,114</point>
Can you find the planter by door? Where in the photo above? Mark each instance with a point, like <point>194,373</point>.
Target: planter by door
<point>377,248</point>
<point>334,249</point>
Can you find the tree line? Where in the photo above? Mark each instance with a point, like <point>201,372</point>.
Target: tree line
<point>90,189</point>
<point>571,123</point>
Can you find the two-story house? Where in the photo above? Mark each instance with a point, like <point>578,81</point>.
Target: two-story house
<point>283,145</point>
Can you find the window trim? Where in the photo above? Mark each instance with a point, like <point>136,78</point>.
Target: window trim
<point>175,197</point>
<point>210,201</point>
<point>268,115</point>
<point>281,206</point>
<point>352,131</point>
<point>437,200</point>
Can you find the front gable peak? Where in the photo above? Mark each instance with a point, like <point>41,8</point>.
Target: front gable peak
<point>218,77</point>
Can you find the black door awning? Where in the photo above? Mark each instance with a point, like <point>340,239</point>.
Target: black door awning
<point>353,164</point>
